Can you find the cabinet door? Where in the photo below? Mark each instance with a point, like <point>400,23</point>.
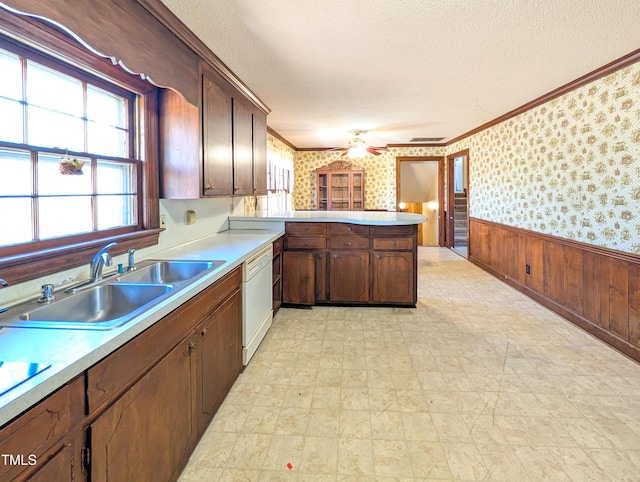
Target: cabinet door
<point>357,191</point>
<point>393,277</point>
<point>219,357</point>
<point>349,276</point>
<point>217,139</point>
<point>148,434</point>
<point>242,149</point>
<point>259,154</point>
<point>299,279</point>
<point>320,267</point>
<point>64,465</point>
<point>179,149</point>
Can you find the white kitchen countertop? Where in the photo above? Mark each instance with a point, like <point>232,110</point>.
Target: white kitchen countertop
<point>71,352</point>
<point>374,218</point>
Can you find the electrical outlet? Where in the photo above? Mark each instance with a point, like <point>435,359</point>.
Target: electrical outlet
<point>527,268</point>
<point>163,221</point>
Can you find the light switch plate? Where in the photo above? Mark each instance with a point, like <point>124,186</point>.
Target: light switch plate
<point>163,221</point>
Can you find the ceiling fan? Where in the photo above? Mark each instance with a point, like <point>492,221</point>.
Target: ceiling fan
<point>358,147</point>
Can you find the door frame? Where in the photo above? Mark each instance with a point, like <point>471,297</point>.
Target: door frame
<point>450,214</point>
<point>440,161</point>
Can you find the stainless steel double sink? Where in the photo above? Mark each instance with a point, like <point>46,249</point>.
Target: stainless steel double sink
<point>113,301</point>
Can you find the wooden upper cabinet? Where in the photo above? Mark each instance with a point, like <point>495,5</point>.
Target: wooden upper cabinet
<point>218,150</point>
<point>259,154</point>
<point>179,151</point>
<point>217,138</point>
<point>242,149</point>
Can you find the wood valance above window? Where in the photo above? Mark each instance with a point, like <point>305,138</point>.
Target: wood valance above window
<point>125,32</point>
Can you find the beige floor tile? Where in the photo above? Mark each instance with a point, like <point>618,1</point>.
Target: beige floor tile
<point>323,422</point>
<point>355,424</point>
<point>320,455</point>
<point>390,458</point>
<point>387,425</point>
<point>355,456</point>
<point>284,450</point>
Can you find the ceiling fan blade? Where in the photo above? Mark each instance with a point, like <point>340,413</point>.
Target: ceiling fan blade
<point>373,151</point>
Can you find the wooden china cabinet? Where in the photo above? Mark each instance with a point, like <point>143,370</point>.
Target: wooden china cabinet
<point>340,187</point>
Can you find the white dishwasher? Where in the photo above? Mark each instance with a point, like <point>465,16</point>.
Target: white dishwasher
<point>257,301</point>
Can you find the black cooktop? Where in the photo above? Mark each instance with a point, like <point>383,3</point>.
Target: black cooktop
<point>13,374</point>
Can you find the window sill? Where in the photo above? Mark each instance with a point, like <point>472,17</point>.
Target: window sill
<point>25,267</point>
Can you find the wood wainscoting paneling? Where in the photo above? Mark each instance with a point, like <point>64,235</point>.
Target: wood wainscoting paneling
<point>596,288</point>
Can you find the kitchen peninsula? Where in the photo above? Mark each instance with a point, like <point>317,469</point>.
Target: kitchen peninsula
<point>344,257</point>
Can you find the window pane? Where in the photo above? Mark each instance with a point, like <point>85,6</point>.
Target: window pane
<point>10,120</point>
<point>52,181</point>
<point>53,90</point>
<point>52,129</point>
<point>63,216</point>
<point>107,140</point>
<point>16,173</point>
<point>114,211</point>
<point>106,108</point>
<point>116,178</point>
<point>11,78</point>
<point>15,213</point>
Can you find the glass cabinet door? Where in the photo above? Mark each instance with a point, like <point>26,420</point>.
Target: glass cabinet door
<point>323,204</point>
<point>358,191</point>
<point>340,192</point>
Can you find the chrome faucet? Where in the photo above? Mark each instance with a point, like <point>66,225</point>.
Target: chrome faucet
<point>3,283</point>
<point>102,258</point>
<point>132,263</point>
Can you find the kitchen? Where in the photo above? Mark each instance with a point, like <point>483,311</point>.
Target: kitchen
<point>212,215</point>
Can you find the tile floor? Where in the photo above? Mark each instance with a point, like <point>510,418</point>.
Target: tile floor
<point>477,383</point>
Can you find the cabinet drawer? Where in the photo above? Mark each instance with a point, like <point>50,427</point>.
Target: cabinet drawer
<point>393,243</point>
<point>306,228</point>
<point>393,230</point>
<point>342,228</point>
<point>41,427</point>
<point>117,372</point>
<point>306,242</point>
<point>349,242</point>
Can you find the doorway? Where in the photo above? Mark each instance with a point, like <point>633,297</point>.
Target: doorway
<point>420,189</point>
<point>458,202</point>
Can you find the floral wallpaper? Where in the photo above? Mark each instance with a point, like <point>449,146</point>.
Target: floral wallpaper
<point>380,175</point>
<point>280,156</point>
<point>569,168</point>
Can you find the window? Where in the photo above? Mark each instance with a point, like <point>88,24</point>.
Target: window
<point>66,155</point>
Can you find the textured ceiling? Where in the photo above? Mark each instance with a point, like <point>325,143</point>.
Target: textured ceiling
<point>406,68</point>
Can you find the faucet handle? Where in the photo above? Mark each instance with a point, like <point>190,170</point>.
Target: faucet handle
<point>106,259</point>
<point>3,283</point>
<point>47,290</point>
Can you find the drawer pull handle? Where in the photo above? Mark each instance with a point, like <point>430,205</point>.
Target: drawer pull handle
<point>205,332</point>
<point>191,347</point>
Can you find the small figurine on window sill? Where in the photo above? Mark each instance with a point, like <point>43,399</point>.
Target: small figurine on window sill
<point>70,166</point>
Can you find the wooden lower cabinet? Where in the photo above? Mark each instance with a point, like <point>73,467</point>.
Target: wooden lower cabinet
<point>349,276</point>
<point>219,356</point>
<point>393,277</point>
<point>343,263</point>
<point>45,442</point>
<point>140,410</point>
<point>148,434</point>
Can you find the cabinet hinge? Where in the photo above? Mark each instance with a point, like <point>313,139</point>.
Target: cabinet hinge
<point>86,457</point>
